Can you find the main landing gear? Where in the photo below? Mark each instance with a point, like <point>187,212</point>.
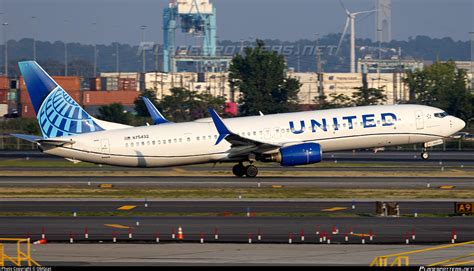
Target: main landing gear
<point>240,170</point>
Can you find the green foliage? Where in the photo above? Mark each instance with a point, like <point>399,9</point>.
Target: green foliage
<point>186,105</point>
<point>442,85</point>
<point>364,96</point>
<point>260,76</point>
<point>115,112</point>
<point>20,125</point>
<point>368,96</point>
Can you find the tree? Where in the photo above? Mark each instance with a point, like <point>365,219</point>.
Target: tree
<point>264,86</point>
<point>80,67</point>
<point>336,101</point>
<point>115,112</point>
<point>368,96</point>
<point>442,85</point>
<point>186,105</point>
<point>140,106</point>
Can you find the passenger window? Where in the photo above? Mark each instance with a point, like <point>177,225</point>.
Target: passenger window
<point>131,144</point>
<point>175,141</point>
<point>189,139</point>
<point>126,145</point>
<point>148,143</point>
<point>197,138</point>
<point>209,137</point>
<point>143,143</point>
<point>153,142</point>
<point>169,141</point>
<point>180,140</point>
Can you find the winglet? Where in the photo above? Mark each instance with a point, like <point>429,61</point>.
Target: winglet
<point>154,112</point>
<point>220,126</point>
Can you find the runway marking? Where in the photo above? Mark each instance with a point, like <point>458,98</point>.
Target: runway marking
<point>454,261</point>
<point>429,249</point>
<point>362,234</point>
<point>106,185</point>
<point>334,209</point>
<point>117,226</point>
<point>127,207</point>
<point>446,187</point>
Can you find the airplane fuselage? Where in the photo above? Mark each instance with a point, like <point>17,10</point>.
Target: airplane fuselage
<point>174,144</point>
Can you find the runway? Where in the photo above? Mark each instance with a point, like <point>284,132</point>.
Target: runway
<point>125,255</point>
<point>235,221</point>
<point>219,207</point>
<point>450,158</point>
<point>201,181</point>
<point>428,230</point>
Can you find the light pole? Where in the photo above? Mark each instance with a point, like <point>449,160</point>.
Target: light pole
<point>117,58</point>
<point>95,48</point>
<point>6,47</point>
<point>471,34</point>
<point>65,51</point>
<point>143,28</point>
<point>33,26</point>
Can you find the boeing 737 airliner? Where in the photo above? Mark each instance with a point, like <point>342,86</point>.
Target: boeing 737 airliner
<point>290,139</point>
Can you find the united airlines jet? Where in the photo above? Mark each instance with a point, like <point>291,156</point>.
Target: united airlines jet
<point>290,139</point>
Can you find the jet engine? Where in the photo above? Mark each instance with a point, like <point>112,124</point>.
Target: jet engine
<point>295,155</point>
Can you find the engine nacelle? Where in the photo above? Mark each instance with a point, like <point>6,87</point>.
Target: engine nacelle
<point>301,154</point>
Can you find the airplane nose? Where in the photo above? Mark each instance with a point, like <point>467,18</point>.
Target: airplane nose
<point>459,124</point>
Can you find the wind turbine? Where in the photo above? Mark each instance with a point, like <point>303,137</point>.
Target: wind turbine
<point>351,20</point>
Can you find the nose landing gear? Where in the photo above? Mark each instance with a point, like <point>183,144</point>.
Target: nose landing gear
<point>424,154</point>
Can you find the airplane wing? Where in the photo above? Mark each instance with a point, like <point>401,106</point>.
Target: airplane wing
<point>240,145</point>
<point>154,112</point>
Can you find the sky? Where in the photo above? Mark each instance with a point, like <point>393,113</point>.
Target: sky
<point>107,21</point>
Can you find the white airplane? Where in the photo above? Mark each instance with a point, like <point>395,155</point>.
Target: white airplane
<point>291,139</point>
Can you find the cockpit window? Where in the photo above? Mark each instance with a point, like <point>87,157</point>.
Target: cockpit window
<point>440,115</point>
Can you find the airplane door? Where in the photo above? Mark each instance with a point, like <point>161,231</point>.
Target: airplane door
<point>267,133</point>
<point>419,120</point>
<point>105,148</point>
<point>276,132</point>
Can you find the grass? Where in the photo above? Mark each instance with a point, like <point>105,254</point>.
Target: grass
<point>234,193</point>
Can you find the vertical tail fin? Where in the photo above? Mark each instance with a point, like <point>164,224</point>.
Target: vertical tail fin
<point>57,112</point>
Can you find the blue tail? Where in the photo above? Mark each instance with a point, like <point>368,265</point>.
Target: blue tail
<point>57,112</point>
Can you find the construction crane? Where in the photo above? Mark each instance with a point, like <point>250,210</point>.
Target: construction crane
<point>196,18</point>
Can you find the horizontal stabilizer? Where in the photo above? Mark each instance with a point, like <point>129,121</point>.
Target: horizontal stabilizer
<point>55,142</point>
<point>30,138</point>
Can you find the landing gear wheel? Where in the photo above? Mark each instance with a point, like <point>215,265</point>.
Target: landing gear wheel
<point>425,155</point>
<point>238,170</point>
<point>251,171</point>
